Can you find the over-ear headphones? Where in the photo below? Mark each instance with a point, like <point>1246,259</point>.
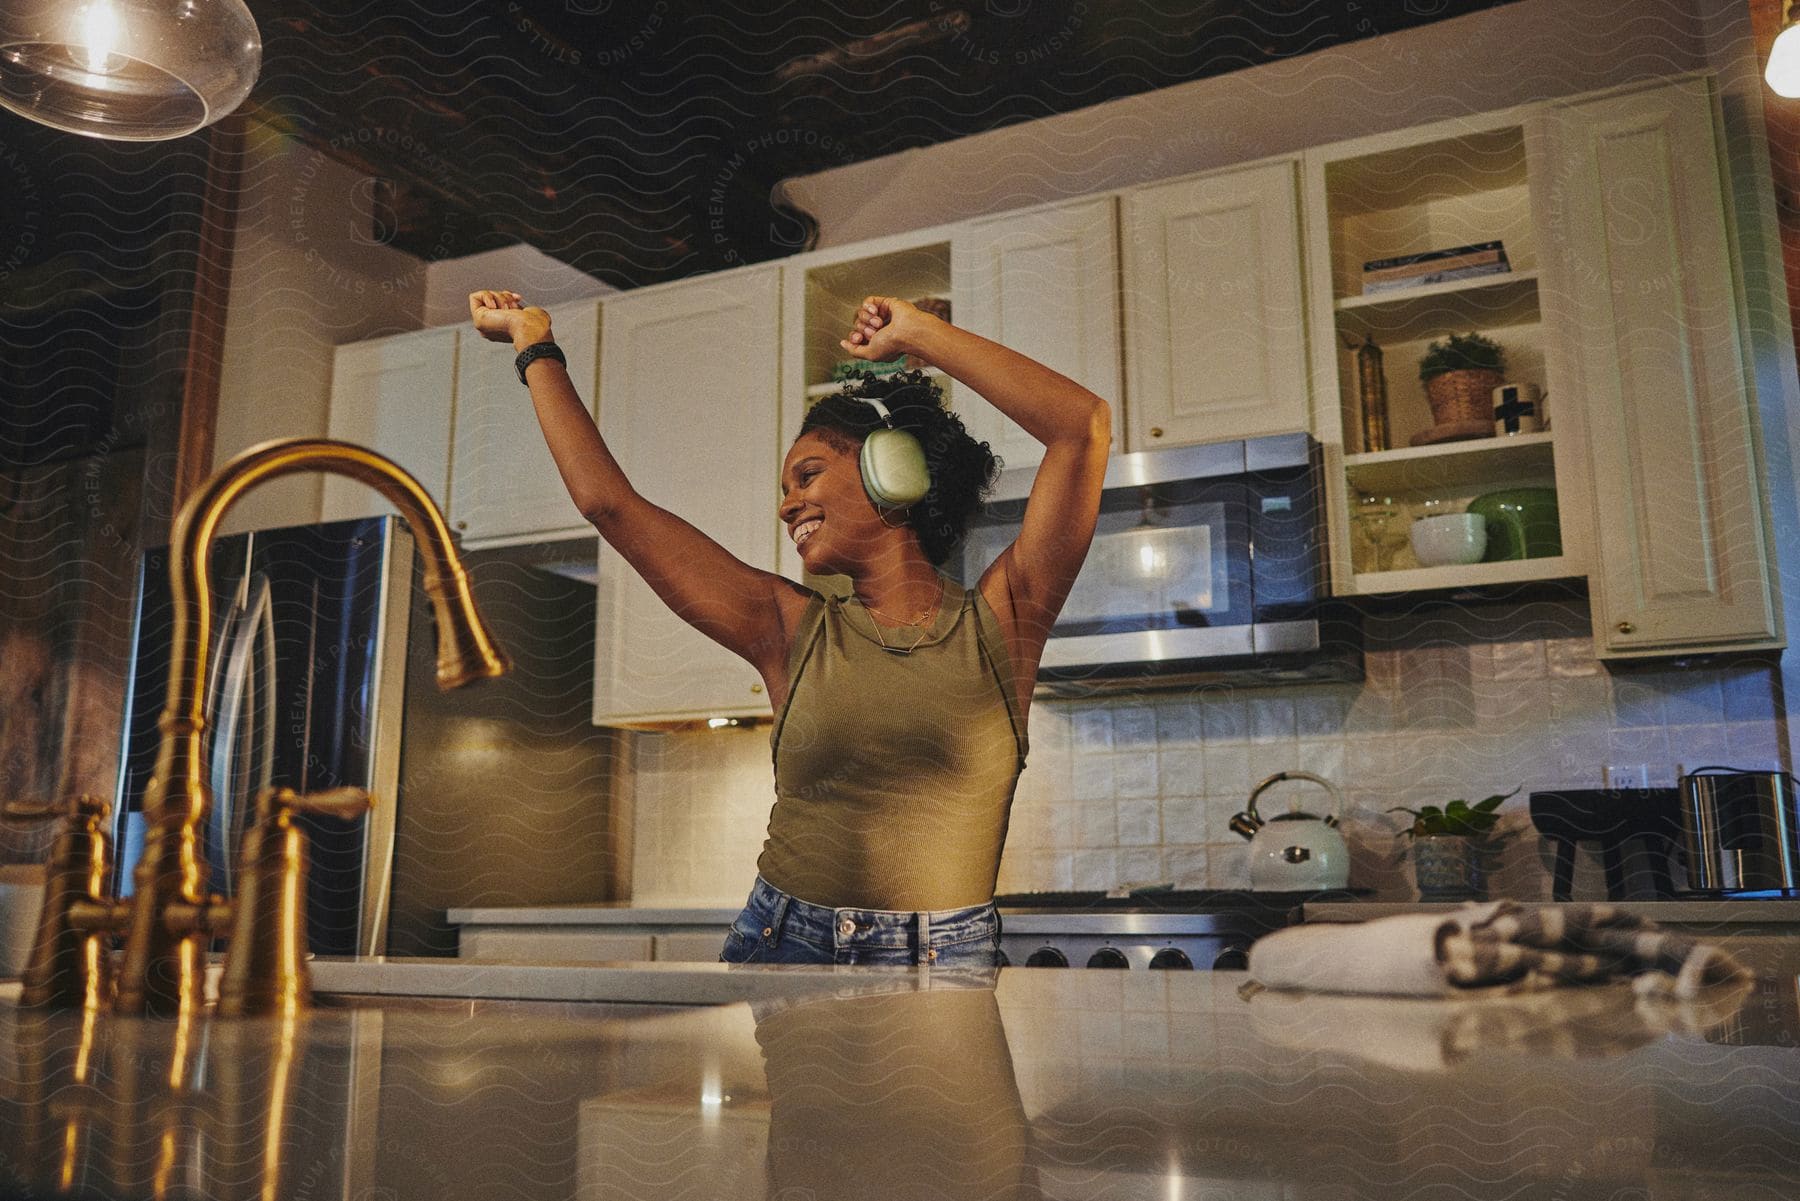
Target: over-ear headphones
<point>893,463</point>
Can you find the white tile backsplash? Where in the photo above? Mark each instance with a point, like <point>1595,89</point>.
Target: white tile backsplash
<point>1135,775</point>
<point>1448,708</point>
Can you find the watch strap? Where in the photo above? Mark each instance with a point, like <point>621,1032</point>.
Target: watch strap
<point>536,351</point>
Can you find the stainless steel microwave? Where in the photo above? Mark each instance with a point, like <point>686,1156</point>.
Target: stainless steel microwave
<point>1208,564</point>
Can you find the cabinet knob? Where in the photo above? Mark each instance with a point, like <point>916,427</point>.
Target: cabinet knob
<point>756,688</point>
<point>1156,431</point>
<point>462,525</point>
<point>1625,627</point>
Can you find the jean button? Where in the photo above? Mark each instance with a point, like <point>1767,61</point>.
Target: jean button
<point>846,928</point>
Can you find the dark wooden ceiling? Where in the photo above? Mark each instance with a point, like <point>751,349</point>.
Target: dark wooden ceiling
<point>640,140</point>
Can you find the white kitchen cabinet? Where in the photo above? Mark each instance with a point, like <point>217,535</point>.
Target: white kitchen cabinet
<point>1044,283</point>
<point>1215,330</point>
<point>1641,279</point>
<point>504,486</point>
<point>689,374</point>
<point>398,396</point>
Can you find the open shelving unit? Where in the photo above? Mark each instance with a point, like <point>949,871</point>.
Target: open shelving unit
<point>833,290</point>
<point>820,297</point>
<point>1448,185</point>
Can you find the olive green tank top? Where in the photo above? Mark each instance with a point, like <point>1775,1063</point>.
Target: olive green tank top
<point>894,773</point>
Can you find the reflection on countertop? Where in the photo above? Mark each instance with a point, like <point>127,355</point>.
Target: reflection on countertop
<point>929,1083</point>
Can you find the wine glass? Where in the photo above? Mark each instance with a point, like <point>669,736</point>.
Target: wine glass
<point>1381,519</point>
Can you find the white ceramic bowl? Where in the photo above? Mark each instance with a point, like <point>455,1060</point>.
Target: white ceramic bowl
<point>1454,538</point>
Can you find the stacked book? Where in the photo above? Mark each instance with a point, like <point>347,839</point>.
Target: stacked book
<point>1433,267</point>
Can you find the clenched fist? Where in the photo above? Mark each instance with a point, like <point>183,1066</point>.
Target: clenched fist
<point>504,317</point>
<point>886,327</point>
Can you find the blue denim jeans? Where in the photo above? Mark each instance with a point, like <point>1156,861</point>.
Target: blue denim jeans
<point>777,928</point>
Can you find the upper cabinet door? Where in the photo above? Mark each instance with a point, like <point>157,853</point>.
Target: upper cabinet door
<point>689,375</point>
<point>1214,320</point>
<point>397,396</point>
<point>504,484</point>
<point>1641,272</point>
<point>1046,285</point>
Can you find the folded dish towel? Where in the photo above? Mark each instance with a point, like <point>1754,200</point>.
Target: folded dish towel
<point>1498,944</point>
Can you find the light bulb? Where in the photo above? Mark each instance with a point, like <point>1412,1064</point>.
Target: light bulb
<point>100,33</point>
<point>1151,562</point>
<point>1783,72</point>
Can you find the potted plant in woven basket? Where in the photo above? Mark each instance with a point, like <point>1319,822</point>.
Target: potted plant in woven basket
<point>1460,374</point>
<point>1453,847</point>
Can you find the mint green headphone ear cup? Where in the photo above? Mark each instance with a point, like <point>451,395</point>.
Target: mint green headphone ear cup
<point>893,468</point>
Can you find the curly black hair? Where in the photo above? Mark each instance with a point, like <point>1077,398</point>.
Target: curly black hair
<point>963,469</point>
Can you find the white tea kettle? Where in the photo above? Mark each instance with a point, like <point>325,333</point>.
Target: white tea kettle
<point>1295,851</point>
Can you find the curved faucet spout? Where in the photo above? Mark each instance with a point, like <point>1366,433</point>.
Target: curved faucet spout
<point>164,962</point>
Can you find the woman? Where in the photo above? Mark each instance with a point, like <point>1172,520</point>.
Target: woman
<point>900,708</point>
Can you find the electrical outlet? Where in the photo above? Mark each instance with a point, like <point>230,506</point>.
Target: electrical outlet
<point>1628,775</point>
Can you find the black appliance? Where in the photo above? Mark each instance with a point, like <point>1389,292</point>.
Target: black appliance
<point>1635,830</point>
<point>1739,832</point>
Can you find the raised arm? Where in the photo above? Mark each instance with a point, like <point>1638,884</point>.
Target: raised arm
<point>705,585</point>
<point>1074,425</point>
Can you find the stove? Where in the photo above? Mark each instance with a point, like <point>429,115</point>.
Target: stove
<point>1149,930</point>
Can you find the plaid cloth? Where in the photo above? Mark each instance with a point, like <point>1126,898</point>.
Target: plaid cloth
<point>1543,945</point>
<point>1498,945</point>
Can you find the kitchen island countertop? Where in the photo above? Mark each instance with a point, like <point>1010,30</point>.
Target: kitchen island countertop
<point>876,1083</point>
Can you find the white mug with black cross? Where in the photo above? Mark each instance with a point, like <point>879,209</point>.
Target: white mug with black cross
<point>1518,409</point>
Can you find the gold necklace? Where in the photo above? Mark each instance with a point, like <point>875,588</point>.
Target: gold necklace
<point>924,621</point>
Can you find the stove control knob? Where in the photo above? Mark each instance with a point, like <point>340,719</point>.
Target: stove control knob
<point>1171,959</point>
<point>1108,957</point>
<point>1047,957</point>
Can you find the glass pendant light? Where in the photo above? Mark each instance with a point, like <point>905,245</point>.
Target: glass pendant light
<point>134,70</point>
<point>1783,72</point>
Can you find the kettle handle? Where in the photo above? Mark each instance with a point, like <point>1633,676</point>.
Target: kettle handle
<point>1337,798</point>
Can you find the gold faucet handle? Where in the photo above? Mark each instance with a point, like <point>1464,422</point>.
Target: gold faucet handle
<point>84,805</point>
<point>61,971</point>
<point>265,968</point>
<point>346,802</point>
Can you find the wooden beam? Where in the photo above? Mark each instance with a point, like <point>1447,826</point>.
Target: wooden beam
<point>211,297</point>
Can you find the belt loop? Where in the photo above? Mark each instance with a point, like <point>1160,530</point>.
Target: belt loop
<point>925,953</point>
<point>778,919</point>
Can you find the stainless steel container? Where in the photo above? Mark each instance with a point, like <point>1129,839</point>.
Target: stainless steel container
<point>1739,831</point>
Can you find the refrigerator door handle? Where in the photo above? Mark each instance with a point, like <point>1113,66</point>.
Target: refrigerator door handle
<point>249,628</point>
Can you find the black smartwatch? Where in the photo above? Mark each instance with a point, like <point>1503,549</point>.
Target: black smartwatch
<point>536,351</point>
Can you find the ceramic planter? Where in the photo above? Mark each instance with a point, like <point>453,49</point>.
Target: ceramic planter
<point>1450,867</point>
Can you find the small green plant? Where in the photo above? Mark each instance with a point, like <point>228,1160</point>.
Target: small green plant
<point>1462,352</point>
<point>1458,817</point>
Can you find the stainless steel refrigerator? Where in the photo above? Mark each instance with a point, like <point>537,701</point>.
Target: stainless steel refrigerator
<point>304,688</point>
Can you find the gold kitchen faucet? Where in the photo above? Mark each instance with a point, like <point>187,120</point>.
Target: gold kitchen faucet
<point>171,917</point>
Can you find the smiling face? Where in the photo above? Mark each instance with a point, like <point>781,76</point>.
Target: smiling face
<point>823,502</point>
